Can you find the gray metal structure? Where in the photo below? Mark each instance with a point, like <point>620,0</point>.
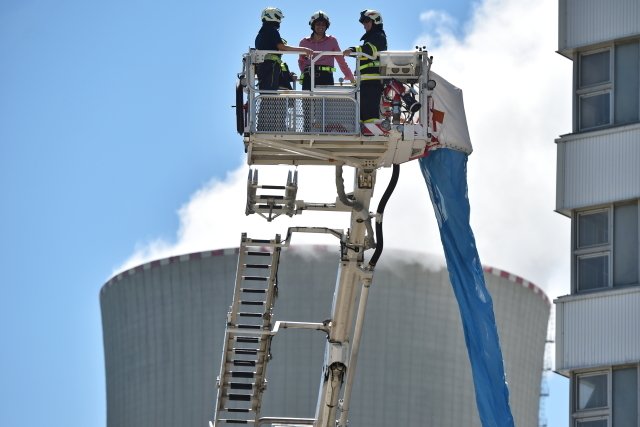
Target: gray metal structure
<point>164,325</point>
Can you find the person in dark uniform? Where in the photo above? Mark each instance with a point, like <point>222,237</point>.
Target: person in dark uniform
<point>374,40</point>
<point>273,73</point>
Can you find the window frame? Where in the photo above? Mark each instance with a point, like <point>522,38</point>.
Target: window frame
<point>591,414</point>
<point>607,248</point>
<point>597,254</point>
<point>602,413</point>
<point>591,250</point>
<point>605,87</point>
<point>580,420</point>
<point>608,87</point>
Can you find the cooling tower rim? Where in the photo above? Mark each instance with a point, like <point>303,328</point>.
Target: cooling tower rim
<point>301,248</point>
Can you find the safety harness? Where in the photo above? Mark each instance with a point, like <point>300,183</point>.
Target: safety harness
<point>317,68</point>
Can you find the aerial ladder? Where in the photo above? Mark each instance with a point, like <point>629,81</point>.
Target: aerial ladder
<point>316,127</point>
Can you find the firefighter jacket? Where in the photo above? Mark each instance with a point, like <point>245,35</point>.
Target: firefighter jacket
<point>273,73</point>
<point>373,41</point>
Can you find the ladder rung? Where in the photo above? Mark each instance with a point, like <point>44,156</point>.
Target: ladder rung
<point>265,266</point>
<point>256,278</point>
<point>263,241</point>
<point>256,315</point>
<point>251,363</point>
<point>248,351</point>
<point>253,291</point>
<point>240,374</point>
<point>252,302</point>
<point>237,421</point>
<point>273,187</point>
<point>245,410</point>
<point>267,197</point>
<point>274,207</point>
<point>249,326</point>
<point>248,339</point>
<point>242,397</point>
<point>241,386</point>
<point>258,253</point>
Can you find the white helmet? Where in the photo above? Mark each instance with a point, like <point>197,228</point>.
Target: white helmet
<point>272,14</point>
<point>319,15</point>
<point>374,15</point>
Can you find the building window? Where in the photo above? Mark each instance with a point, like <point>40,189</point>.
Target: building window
<point>606,247</point>
<point>594,68</point>
<point>593,271</point>
<point>627,83</point>
<point>593,228</point>
<point>625,245</point>
<point>594,89</point>
<point>592,391</point>
<point>608,86</point>
<point>606,398</point>
<point>625,397</point>
<point>595,110</point>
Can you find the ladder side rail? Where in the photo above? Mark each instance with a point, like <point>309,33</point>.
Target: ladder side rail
<point>265,342</point>
<point>232,316</point>
<point>231,319</point>
<point>273,274</point>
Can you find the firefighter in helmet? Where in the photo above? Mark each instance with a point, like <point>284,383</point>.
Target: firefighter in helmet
<point>273,73</point>
<point>272,69</point>
<point>374,40</point>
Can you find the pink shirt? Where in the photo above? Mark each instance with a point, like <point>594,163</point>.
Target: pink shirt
<point>329,43</point>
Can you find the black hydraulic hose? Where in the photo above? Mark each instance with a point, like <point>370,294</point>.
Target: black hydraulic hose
<point>380,211</point>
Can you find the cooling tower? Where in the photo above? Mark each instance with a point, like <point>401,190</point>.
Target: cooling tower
<point>164,325</point>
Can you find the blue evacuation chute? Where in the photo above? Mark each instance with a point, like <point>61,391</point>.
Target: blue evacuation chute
<point>445,172</point>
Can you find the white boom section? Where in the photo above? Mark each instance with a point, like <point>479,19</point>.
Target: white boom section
<point>351,275</point>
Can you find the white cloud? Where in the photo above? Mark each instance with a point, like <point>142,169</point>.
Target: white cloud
<point>517,103</point>
<point>440,24</point>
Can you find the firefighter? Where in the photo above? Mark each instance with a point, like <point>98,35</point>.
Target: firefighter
<point>273,73</point>
<point>268,38</point>
<point>374,40</point>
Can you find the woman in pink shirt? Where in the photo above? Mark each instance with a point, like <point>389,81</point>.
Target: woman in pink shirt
<point>319,41</point>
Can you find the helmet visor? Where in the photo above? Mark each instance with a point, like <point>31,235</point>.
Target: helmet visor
<point>364,18</point>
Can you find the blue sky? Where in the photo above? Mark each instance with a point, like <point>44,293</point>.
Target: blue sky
<point>114,114</point>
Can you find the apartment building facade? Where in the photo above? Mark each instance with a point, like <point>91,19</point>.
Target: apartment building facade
<point>598,187</point>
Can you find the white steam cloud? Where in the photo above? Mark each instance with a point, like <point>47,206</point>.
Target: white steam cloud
<point>517,102</point>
